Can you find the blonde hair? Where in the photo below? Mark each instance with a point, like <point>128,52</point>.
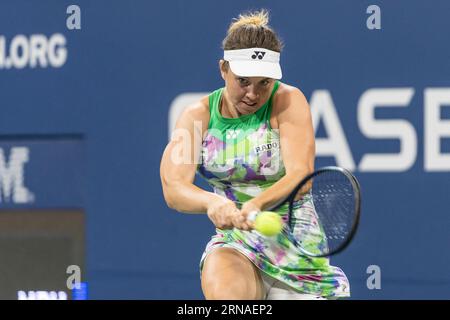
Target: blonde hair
<point>252,30</point>
<point>257,18</point>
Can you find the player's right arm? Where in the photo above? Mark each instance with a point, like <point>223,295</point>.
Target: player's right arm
<point>179,164</point>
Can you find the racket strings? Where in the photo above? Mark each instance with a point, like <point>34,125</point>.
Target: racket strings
<point>333,197</point>
<point>325,221</point>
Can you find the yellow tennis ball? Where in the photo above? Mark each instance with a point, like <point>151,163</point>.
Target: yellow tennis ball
<point>268,223</point>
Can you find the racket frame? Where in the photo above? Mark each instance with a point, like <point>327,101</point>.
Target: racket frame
<point>357,209</point>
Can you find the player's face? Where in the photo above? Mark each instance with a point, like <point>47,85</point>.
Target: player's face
<point>247,94</point>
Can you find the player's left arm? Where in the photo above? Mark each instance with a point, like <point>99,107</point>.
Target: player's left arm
<point>292,113</point>
<point>297,141</point>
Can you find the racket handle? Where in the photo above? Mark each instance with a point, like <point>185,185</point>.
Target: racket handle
<point>252,215</point>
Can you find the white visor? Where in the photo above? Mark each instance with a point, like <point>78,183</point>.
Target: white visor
<point>254,62</point>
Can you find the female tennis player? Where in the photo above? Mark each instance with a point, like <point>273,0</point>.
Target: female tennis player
<point>256,140</point>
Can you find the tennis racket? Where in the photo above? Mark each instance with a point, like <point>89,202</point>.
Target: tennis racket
<point>332,200</point>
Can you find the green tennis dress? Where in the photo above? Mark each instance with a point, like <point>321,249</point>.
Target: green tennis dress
<point>241,157</point>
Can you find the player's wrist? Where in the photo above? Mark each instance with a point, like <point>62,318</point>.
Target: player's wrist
<point>212,199</point>
<point>255,204</point>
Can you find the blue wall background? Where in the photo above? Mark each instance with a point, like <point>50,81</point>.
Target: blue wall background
<point>132,58</point>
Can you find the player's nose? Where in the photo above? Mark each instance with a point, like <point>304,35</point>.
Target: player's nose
<point>251,94</point>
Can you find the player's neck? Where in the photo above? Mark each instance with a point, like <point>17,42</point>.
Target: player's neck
<point>226,108</point>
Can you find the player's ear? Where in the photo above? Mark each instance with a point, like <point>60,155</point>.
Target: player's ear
<point>223,67</point>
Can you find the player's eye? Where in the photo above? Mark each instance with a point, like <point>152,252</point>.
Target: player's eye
<point>243,81</point>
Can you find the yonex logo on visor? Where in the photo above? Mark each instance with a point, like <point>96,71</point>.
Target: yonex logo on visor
<point>254,62</point>
<point>259,55</point>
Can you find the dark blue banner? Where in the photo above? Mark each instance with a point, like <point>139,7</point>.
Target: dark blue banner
<point>42,173</point>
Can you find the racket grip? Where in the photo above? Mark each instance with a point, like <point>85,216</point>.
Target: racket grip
<point>252,215</point>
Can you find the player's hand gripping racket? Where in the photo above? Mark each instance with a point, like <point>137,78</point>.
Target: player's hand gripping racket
<point>335,194</point>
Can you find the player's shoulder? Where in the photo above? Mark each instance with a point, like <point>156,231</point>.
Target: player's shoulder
<point>197,111</point>
<point>287,92</point>
<point>286,96</point>
<point>194,114</point>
